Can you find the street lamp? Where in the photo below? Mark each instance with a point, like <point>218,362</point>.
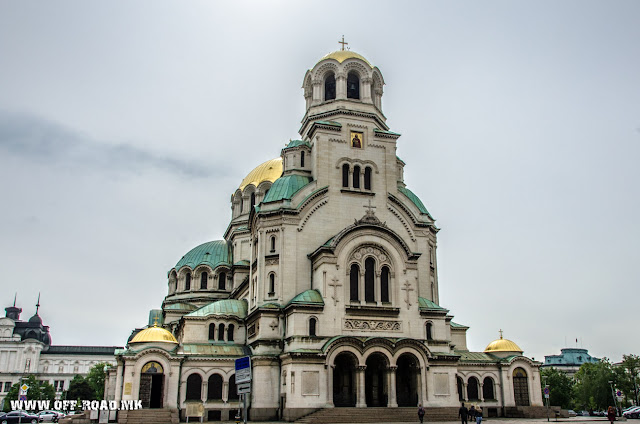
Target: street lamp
<point>613,395</point>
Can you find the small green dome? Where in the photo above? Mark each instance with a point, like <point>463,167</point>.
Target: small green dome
<point>285,187</point>
<point>415,200</point>
<point>309,297</point>
<point>213,253</point>
<point>296,143</point>
<point>233,307</point>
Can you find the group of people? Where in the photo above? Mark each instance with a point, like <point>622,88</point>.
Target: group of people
<point>463,413</point>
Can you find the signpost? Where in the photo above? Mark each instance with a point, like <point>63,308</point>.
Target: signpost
<point>243,382</point>
<point>546,397</point>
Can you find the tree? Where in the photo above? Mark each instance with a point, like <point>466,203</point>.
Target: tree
<point>592,389</point>
<point>38,389</point>
<point>627,376</point>
<point>79,388</point>
<point>96,378</point>
<point>560,387</point>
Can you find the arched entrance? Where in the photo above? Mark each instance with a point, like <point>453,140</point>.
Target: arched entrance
<point>375,380</point>
<point>407,380</point>
<point>520,387</point>
<point>344,380</point>
<point>460,386</point>
<point>151,385</point>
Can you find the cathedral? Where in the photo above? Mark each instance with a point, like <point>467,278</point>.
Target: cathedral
<point>327,277</point>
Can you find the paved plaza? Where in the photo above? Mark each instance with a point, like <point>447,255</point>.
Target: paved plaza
<point>573,420</point>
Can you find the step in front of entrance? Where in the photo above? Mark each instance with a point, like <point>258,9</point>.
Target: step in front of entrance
<point>373,415</point>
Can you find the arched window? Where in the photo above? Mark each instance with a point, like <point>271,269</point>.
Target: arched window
<point>187,281</point>
<point>253,201</point>
<point>204,277</point>
<point>487,389</point>
<point>384,283</point>
<point>221,333</point>
<point>230,331</point>
<point>212,331</point>
<point>222,280</point>
<point>272,284</point>
<point>194,387</point>
<point>354,276</point>
<point>241,205</point>
<point>330,87</point>
<point>345,175</point>
<point>367,178</point>
<point>273,243</point>
<point>356,176</point>
<point>353,86</point>
<point>312,327</point>
<point>369,280</point>
<point>302,159</point>
<point>215,387</point>
<point>429,331</point>
<point>472,388</point>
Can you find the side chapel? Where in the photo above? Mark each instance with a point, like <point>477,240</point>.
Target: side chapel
<point>327,277</point>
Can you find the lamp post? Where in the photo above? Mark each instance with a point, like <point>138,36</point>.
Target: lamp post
<point>613,395</point>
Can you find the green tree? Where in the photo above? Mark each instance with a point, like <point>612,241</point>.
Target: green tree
<point>79,388</point>
<point>627,376</point>
<point>560,387</point>
<point>96,378</point>
<point>38,390</point>
<point>592,388</point>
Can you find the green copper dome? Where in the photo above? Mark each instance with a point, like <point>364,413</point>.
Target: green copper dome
<point>213,253</point>
<point>426,304</point>
<point>309,297</point>
<point>296,143</point>
<point>285,187</point>
<point>415,200</point>
<point>233,307</point>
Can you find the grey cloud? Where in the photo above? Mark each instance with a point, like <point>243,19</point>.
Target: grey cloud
<point>44,141</point>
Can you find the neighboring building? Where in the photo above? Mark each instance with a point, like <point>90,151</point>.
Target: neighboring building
<point>327,276</point>
<point>569,360</point>
<point>25,349</point>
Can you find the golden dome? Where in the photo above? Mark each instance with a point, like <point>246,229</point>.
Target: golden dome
<point>502,345</point>
<point>271,170</point>
<point>342,55</point>
<point>154,334</point>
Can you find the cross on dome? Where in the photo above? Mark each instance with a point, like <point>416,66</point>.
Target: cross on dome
<point>343,43</point>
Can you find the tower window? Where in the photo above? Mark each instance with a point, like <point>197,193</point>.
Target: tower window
<point>356,176</point>
<point>330,87</point>
<point>367,178</point>
<point>221,333</point>
<point>345,175</point>
<point>253,201</point>
<point>384,284</point>
<point>312,327</point>
<point>222,280</point>
<point>353,86</point>
<point>230,332</point>
<point>273,243</point>
<point>369,285</point>
<point>187,281</point>
<point>302,159</point>
<point>203,280</point>
<point>212,331</point>
<point>429,331</point>
<point>354,276</point>
<point>272,284</point>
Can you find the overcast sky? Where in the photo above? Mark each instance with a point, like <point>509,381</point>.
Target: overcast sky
<point>125,127</point>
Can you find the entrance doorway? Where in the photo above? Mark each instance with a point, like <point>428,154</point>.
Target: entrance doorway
<point>520,387</point>
<point>375,380</point>
<point>151,385</point>
<point>344,377</point>
<point>407,380</point>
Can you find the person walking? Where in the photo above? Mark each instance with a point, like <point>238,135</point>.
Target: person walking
<point>421,412</point>
<point>462,414</point>
<point>479,415</point>
<point>611,414</point>
<point>472,413</point>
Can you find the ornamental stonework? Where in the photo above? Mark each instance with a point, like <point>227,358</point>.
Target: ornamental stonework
<point>372,325</point>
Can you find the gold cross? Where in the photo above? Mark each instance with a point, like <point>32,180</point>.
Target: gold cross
<point>500,331</point>
<point>342,42</point>
<point>155,320</point>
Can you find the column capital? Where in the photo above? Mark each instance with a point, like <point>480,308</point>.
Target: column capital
<point>392,368</point>
<point>362,367</point>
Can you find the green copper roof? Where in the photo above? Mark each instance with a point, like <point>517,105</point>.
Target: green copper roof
<point>271,305</point>
<point>398,157</point>
<point>475,356</point>
<point>296,143</point>
<point>414,199</point>
<point>456,325</point>
<point>378,130</point>
<point>285,187</point>
<point>424,303</point>
<point>243,262</point>
<point>222,307</point>
<point>180,307</point>
<point>213,253</point>
<point>333,123</point>
<point>309,297</point>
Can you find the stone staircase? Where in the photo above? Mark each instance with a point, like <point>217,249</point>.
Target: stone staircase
<point>531,412</point>
<point>377,415</point>
<point>149,416</point>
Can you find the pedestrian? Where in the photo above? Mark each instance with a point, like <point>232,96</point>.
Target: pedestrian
<point>462,414</point>
<point>611,414</point>
<point>421,412</point>
<point>472,413</point>
<point>479,415</point>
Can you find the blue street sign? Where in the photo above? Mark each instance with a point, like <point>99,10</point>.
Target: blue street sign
<point>243,370</point>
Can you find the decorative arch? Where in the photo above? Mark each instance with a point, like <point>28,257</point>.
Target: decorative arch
<point>488,388</point>
<point>325,69</point>
<point>194,386</point>
<point>214,387</point>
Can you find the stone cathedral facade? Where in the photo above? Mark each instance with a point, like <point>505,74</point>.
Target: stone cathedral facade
<point>327,277</point>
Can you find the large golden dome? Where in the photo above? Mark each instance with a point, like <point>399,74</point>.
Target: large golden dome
<point>271,170</point>
<point>342,55</point>
<point>154,334</point>
<point>502,345</point>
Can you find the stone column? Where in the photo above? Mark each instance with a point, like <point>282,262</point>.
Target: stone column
<point>119,373</point>
<point>422,385</point>
<point>465,394</point>
<point>317,91</point>
<point>225,391</point>
<point>480,391</point>
<point>366,89</point>
<point>377,288</point>
<point>361,286</point>
<point>330,386</point>
<point>361,401</point>
<point>393,401</point>
<point>205,390</point>
<point>341,86</point>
